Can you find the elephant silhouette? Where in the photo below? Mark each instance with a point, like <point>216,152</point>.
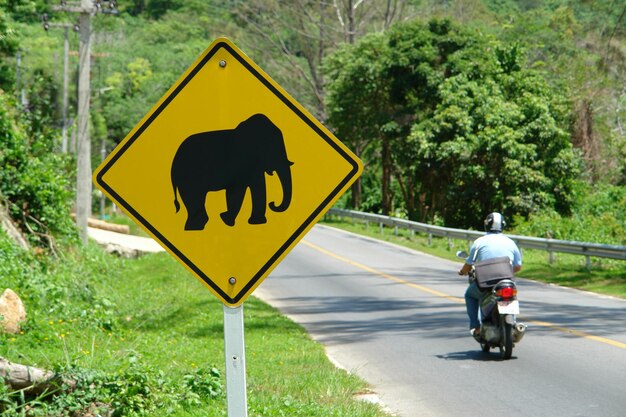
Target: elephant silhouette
<point>233,160</point>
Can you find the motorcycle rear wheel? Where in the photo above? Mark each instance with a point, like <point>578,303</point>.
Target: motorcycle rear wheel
<point>506,342</point>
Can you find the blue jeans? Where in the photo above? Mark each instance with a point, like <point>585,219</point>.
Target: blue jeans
<point>472,303</point>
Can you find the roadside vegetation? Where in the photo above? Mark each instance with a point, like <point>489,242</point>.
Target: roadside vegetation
<point>144,338</point>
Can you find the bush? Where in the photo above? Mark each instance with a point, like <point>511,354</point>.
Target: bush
<point>70,296</point>
<point>33,183</point>
<point>598,216</point>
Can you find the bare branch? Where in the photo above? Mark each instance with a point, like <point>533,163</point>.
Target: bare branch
<point>339,14</point>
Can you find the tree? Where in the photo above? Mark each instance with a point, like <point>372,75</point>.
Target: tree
<point>359,90</point>
<point>8,48</point>
<point>41,110</point>
<point>469,128</point>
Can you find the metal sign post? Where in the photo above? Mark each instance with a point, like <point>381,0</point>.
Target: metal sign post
<point>235,354</point>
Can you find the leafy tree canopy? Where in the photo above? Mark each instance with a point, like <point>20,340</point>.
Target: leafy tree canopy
<point>473,129</point>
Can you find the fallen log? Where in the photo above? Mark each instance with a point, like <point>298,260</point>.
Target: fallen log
<point>101,224</point>
<point>37,382</point>
<point>30,379</point>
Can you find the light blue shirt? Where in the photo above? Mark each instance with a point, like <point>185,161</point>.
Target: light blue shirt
<point>494,245</point>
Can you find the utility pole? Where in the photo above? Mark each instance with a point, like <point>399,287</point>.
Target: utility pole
<point>86,8</point>
<point>20,93</point>
<point>66,62</point>
<point>83,148</point>
<point>66,57</point>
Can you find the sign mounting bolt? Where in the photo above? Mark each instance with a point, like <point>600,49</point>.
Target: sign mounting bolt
<point>222,63</point>
<point>232,280</point>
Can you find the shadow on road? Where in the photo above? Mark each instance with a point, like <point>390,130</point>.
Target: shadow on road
<point>473,355</point>
<point>340,320</point>
<point>599,321</point>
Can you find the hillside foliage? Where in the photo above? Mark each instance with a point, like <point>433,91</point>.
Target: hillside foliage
<point>540,85</point>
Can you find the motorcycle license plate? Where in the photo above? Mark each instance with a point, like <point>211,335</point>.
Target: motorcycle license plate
<point>508,307</point>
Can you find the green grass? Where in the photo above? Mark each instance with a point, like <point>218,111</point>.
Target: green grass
<point>605,277</point>
<point>146,336</point>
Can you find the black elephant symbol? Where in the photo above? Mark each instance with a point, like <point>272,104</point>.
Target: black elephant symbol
<point>232,160</point>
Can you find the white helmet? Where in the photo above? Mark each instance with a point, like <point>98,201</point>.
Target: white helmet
<point>494,222</point>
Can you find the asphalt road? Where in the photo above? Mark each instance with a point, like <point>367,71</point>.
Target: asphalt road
<point>397,318</point>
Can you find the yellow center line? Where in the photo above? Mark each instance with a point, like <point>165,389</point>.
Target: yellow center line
<point>384,275</point>
<point>579,333</point>
<point>458,299</point>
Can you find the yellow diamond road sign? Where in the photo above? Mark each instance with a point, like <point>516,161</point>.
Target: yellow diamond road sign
<point>227,172</point>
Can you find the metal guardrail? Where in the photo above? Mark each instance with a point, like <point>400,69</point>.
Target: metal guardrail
<point>550,245</point>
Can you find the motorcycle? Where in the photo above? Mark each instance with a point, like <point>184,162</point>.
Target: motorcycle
<point>499,307</point>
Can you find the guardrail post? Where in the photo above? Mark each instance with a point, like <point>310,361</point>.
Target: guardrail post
<point>430,239</point>
<point>380,226</point>
<point>587,260</point>
<point>395,230</point>
<point>551,257</point>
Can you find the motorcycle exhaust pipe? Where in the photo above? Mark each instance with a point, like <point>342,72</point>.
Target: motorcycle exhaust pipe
<point>518,332</point>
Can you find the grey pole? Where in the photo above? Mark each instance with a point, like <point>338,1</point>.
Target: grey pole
<point>18,70</point>
<point>66,53</point>
<point>235,354</point>
<point>83,148</point>
<point>103,152</point>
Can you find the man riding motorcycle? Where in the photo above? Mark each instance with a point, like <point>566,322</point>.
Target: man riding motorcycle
<point>493,245</point>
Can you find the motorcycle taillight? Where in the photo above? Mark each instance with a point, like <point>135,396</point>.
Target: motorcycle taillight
<point>506,292</point>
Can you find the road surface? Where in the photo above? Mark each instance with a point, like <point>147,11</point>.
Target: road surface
<point>396,318</point>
